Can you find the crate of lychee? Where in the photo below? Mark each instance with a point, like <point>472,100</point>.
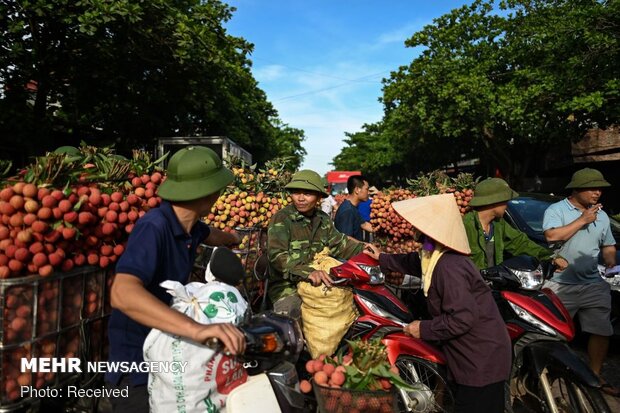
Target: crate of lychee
<point>247,206</point>
<point>358,377</point>
<point>64,221</point>
<point>66,211</point>
<point>44,317</point>
<point>253,198</point>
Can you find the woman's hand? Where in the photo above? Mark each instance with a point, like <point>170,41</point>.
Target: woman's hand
<point>372,251</point>
<point>413,329</point>
<point>317,277</point>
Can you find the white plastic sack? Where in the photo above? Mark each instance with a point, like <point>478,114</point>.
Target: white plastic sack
<point>208,377</point>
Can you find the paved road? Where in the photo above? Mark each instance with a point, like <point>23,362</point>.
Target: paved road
<point>611,368</point>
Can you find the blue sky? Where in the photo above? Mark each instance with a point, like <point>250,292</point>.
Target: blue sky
<point>321,62</point>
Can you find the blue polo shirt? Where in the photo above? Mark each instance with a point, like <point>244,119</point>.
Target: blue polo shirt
<point>364,209</point>
<point>158,249</point>
<point>582,249</point>
<point>348,220</point>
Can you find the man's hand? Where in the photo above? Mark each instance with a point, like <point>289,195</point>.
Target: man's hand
<point>372,251</point>
<point>230,336</point>
<point>317,277</point>
<point>589,215</point>
<point>560,264</point>
<point>217,238</point>
<point>413,329</point>
<point>129,296</point>
<point>235,239</point>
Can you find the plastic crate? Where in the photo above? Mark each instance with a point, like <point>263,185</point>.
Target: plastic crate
<point>60,316</point>
<point>253,244</point>
<point>339,400</point>
<point>96,332</point>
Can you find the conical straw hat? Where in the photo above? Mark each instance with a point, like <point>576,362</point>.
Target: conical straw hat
<point>438,217</point>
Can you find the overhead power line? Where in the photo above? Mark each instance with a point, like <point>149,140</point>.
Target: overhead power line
<point>311,92</point>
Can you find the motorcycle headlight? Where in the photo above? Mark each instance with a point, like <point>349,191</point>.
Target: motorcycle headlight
<point>530,280</point>
<point>376,276</point>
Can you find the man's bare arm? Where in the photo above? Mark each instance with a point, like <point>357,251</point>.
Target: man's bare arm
<point>129,296</point>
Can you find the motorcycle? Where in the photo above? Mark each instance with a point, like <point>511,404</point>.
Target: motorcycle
<point>546,376</point>
<point>383,315</point>
<point>273,345</point>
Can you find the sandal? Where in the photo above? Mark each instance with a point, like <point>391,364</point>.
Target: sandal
<point>610,390</point>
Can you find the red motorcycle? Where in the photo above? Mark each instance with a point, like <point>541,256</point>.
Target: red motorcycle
<point>546,376</point>
<point>383,315</point>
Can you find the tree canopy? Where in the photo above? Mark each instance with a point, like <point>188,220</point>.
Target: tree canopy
<point>128,72</point>
<point>505,83</point>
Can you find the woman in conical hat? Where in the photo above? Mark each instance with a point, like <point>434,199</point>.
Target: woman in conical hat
<point>465,317</point>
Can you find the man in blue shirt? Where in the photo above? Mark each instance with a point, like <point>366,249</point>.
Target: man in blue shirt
<point>580,221</point>
<point>348,219</point>
<point>364,210</point>
<point>162,246</point>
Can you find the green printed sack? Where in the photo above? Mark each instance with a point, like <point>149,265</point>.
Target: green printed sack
<point>208,376</point>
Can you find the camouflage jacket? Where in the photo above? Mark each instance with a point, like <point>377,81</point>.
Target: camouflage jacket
<point>292,242</point>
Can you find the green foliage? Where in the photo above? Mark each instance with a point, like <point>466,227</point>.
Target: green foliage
<point>5,167</point>
<point>91,164</point>
<point>505,85</point>
<point>438,182</point>
<point>123,72</point>
<point>369,363</point>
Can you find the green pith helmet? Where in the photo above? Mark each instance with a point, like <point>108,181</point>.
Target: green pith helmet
<point>69,150</point>
<point>194,172</point>
<point>492,191</point>
<point>587,178</point>
<point>308,180</point>
<point>325,183</point>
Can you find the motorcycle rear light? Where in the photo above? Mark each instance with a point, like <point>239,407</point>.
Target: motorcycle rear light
<point>374,271</point>
<point>529,318</point>
<point>271,343</point>
<point>530,280</point>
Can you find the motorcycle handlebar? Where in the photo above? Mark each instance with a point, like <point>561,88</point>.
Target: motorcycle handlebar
<point>338,280</point>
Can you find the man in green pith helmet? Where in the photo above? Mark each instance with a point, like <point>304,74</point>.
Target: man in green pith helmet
<point>580,222</point>
<point>490,236</point>
<point>162,246</point>
<point>296,234</point>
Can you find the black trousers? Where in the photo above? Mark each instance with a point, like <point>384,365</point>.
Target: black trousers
<point>136,402</point>
<point>486,399</point>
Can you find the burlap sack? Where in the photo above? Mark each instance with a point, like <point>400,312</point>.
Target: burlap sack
<point>326,313</point>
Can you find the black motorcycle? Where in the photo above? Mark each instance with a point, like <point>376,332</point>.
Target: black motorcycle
<point>546,376</point>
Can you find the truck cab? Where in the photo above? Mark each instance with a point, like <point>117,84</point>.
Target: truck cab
<point>337,181</point>
<point>223,146</point>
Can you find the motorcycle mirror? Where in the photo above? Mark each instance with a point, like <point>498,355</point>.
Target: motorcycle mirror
<point>226,266</point>
<point>493,274</point>
<point>547,268</point>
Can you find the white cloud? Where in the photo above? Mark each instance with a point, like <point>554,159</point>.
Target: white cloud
<point>325,101</point>
<point>399,35</point>
<point>269,73</point>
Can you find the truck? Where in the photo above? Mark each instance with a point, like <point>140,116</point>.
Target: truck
<point>222,145</point>
<point>337,180</point>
